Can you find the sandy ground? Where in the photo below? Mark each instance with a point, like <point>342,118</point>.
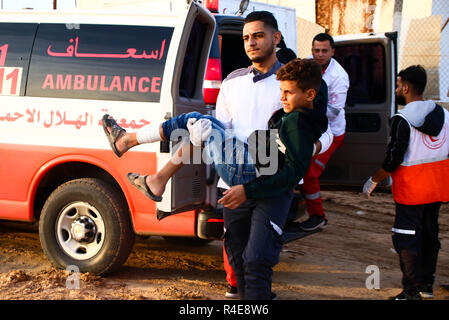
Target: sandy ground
<point>330,265</point>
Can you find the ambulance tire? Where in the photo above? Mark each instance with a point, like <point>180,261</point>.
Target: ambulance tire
<point>101,210</point>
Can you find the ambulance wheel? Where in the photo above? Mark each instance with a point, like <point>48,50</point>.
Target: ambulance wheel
<point>86,224</point>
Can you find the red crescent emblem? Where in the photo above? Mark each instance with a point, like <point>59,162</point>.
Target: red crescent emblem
<point>434,143</point>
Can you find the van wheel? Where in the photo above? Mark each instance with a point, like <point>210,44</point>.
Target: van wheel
<point>85,223</point>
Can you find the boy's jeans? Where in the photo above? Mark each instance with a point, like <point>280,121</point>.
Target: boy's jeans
<point>228,155</point>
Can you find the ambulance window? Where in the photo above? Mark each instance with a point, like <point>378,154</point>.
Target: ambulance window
<point>365,65</point>
<point>16,41</point>
<point>192,59</point>
<point>103,62</point>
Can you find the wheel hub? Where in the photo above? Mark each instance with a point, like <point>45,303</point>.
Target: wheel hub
<point>83,229</point>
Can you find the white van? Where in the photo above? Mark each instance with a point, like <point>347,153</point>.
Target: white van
<point>59,74</point>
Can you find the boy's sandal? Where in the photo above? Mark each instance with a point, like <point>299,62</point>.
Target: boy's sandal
<point>142,186</point>
<point>112,136</point>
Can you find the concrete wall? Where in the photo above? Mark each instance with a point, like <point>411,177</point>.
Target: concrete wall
<point>306,31</point>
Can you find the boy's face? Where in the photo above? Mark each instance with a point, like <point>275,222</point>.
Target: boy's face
<point>293,98</point>
<point>259,41</point>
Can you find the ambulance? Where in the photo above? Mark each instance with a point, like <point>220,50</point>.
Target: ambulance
<point>61,72</point>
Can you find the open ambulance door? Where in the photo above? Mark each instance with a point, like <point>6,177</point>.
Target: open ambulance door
<point>370,61</point>
<point>187,188</point>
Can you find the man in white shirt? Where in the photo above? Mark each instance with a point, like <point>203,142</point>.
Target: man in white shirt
<point>248,97</point>
<point>337,81</point>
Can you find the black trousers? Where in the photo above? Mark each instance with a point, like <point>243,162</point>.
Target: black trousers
<point>253,242</point>
<point>415,239</point>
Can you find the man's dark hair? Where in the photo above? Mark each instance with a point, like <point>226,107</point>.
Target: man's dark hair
<point>416,77</point>
<point>324,37</point>
<point>306,72</point>
<point>265,16</point>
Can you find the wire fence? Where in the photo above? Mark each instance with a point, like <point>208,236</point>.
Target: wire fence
<point>422,26</point>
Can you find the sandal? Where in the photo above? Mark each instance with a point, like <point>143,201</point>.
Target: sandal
<point>142,186</point>
<point>112,136</point>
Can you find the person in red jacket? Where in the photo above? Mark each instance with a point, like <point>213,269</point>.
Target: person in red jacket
<point>417,160</point>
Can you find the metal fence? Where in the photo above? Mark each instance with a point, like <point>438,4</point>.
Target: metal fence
<point>422,26</point>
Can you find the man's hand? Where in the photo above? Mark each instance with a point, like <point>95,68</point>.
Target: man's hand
<point>368,187</point>
<point>233,197</point>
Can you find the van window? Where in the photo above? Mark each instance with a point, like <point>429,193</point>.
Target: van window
<point>365,65</point>
<point>107,62</point>
<point>192,59</point>
<point>233,55</point>
<point>16,41</point>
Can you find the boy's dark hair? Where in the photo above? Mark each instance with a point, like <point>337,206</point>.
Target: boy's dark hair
<point>324,37</point>
<point>265,16</point>
<point>306,73</point>
<point>416,77</point>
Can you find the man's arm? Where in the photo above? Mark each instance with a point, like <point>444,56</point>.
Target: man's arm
<point>324,142</point>
<point>222,111</point>
<point>337,95</point>
<point>399,139</point>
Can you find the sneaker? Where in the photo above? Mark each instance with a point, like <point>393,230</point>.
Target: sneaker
<point>274,296</point>
<point>313,223</point>
<point>231,292</point>
<point>405,296</point>
<point>426,291</point>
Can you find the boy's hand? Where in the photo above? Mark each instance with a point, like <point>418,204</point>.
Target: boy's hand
<point>233,197</point>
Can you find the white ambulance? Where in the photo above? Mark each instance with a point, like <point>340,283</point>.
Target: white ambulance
<point>59,74</point>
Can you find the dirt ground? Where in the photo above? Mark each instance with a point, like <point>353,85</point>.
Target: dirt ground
<point>330,265</point>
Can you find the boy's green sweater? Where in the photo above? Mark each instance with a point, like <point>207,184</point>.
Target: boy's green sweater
<point>298,131</point>
<point>296,134</point>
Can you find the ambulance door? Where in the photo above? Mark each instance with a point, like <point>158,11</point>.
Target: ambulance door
<point>370,63</point>
<point>188,185</point>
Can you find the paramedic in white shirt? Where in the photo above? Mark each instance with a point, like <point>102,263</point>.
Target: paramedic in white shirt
<point>337,81</point>
<point>247,99</point>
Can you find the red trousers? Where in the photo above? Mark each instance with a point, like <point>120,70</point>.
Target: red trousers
<point>311,186</point>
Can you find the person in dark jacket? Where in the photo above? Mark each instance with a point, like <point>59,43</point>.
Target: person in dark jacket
<point>417,160</point>
<point>283,53</point>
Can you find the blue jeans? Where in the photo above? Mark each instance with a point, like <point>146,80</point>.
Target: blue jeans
<point>228,155</point>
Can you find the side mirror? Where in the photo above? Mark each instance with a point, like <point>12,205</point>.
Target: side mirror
<point>243,6</point>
